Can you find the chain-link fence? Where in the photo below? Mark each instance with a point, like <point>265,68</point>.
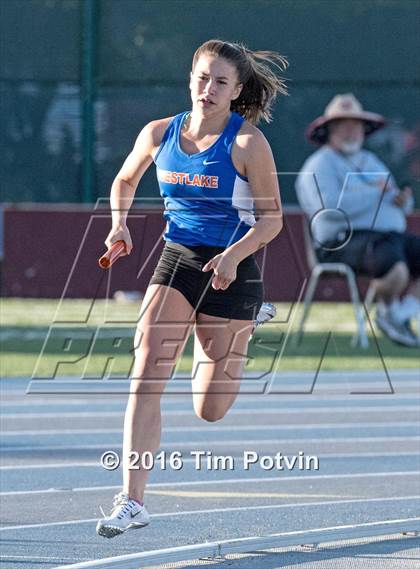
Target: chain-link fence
<point>80,78</point>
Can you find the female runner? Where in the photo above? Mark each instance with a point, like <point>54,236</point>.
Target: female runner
<point>215,170</point>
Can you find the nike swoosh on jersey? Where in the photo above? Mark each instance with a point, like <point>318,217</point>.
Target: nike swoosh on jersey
<point>212,162</point>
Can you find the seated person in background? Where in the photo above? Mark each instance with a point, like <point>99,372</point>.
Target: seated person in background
<point>358,214</point>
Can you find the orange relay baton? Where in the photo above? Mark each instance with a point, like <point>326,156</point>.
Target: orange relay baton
<point>116,250</point>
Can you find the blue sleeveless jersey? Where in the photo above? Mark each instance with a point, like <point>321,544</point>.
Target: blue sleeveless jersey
<point>207,202</point>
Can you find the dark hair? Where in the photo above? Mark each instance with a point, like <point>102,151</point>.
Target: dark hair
<point>260,84</point>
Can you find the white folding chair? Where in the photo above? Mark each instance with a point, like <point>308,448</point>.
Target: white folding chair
<point>317,270</point>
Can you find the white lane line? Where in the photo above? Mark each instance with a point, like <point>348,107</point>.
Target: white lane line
<point>96,464</point>
<point>25,400</point>
<point>328,376</point>
<point>182,412</point>
<point>221,510</point>
<point>71,414</point>
<point>226,442</point>
<point>219,428</point>
<point>404,373</point>
<point>182,389</point>
<point>227,481</point>
<point>21,398</point>
<point>6,557</point>
<point>253,543</point>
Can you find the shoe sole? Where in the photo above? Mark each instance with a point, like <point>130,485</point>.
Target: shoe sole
<point>272,313</point>
<point>388,334</point>
<point>112,531</point>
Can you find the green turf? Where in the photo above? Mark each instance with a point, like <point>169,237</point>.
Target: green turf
<point>26,323</point>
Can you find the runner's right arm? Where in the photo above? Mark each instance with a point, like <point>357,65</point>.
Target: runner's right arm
<point>125,184</point>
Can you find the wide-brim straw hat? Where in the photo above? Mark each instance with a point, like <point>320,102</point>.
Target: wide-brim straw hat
<point>344,106</point>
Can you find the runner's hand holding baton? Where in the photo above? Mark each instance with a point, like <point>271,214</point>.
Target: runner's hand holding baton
<point>118,244</point>
<point>117,250</point>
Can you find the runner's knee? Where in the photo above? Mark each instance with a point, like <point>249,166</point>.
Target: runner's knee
<point>209,412</point>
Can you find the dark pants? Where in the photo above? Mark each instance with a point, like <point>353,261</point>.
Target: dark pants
<point>374,253</point>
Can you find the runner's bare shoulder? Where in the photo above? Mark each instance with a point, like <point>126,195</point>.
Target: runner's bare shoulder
<point>156,130</point>
<point>247,138</point>
<point>143,152</point>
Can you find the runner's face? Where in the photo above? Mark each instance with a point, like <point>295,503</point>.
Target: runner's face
<point>213,84</point>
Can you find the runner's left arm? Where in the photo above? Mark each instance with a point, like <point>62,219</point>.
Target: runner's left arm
<point>261,172</point>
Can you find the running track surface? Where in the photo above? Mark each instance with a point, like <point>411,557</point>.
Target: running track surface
<point>52,483</point>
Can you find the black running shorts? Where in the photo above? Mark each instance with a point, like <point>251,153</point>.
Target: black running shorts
<point>179,267</point>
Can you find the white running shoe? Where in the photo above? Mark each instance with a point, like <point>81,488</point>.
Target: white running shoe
<point>400,333</point>
<point>266,313</point>
<point>126,514</point>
